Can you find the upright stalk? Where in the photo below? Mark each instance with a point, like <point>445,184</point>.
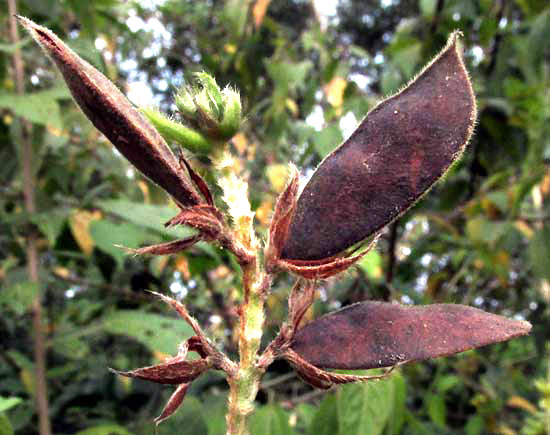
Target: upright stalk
<point>32,251</point>
<point>244,385</point>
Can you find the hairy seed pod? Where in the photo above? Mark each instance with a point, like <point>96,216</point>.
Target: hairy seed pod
<point>404,145</point>
<point>113,115</point>
<point>381,334</point>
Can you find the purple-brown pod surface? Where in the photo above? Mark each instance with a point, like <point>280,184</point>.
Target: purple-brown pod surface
<point>382,334</point>
<point>403,146</point>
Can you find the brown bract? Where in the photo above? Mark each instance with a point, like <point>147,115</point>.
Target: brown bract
<point>404,145</point>
<point>113,115</point>
<point>381,334</point>
<point>173,372</point>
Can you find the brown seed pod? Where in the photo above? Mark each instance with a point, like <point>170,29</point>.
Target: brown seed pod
<point>113,115</point>
<point>381,334</point>
<point>404,145</point>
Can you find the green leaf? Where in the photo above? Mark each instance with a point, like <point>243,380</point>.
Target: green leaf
<point>325,421</point>
<point>327,139</point>
<point>158,333</point>
<point>107,234</point>
<point>189,419</point>
<point>9,402</point>
<point>10,48</point>
<point>435,404</point>
<point>427,7</point>
<point>217,407</point>
<point>539,253</point>
<point>19,297</point>
<point>105,429</point>
<point>365,408</point>
<point>480,229</point>
<point>475,425</point>
<point>288,75</point>
<point>39,107</point>
<point>447,382</point>
<point>270,420</point>
<point>395,423</point>
<point>51,223</point>
<point>5,425</point>
<point>146,215</point>
<point>371,263</point>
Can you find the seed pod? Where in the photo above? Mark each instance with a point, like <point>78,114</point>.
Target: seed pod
<point>404,145</point>
<point>381,334</point>
<point>113,115</point>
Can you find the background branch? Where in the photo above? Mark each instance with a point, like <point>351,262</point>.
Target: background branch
<point>32,251</point>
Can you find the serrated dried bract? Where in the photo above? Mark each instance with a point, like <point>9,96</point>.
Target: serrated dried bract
<point>380,334</point>
<point>112,114</point>
<point>280,221</point>
<point>173,403</point>
<point>205,218</point>
<point>404,145</point>
<point>322,379</point>
<point>173,372</point>
<point>326,268</point>
<point>166,248</point>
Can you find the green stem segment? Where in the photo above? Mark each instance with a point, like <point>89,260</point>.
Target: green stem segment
<point>245,383</point>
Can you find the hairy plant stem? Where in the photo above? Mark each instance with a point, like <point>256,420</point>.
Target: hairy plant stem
<point>245,383</point>
<point>39,348</point>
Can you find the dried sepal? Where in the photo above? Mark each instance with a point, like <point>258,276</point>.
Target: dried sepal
<point>381,334</point>
<point>280,221</point>
<point>112,114</point>
<point>205,218</point>
<point>405,144</point>
<point>326,268</point>
<point>172,372</point>
<point>199,181</point>
<point>165,248</point>
<point>301,298</point>
<point>179,308</point>
<point>322,379</point>
<point>173,403</point>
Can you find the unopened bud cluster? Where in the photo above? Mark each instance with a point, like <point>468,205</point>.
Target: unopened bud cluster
<point>210,115</point>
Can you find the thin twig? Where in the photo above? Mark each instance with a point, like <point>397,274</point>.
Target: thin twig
<point>32,251</point>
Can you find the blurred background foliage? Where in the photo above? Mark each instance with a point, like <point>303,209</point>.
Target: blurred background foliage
<point>308,72</point>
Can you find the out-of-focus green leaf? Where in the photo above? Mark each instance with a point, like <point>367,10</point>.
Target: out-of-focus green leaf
<point>397,418</point>
<point>19,297</point>
<point>480,229</point>
<point>287,74</point>
<point>325,421</point>
<point>427,7</point>
<point>9,402</point>
<point>105,429</point>
<point>435,404</point>
<point>217,407</point>
<point>365,408</point>
<point>5,425</point>
<point>107,234</point>
<point>145,215</point>
<point>539,253</point>
<point>371,263</point>
<point>189,419</point>
<point>327,139</point>
<point>51,223</point>
<point>39,107</point>
<point>159,333</point>
<point>270,420</point>
<point>475,425</point>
